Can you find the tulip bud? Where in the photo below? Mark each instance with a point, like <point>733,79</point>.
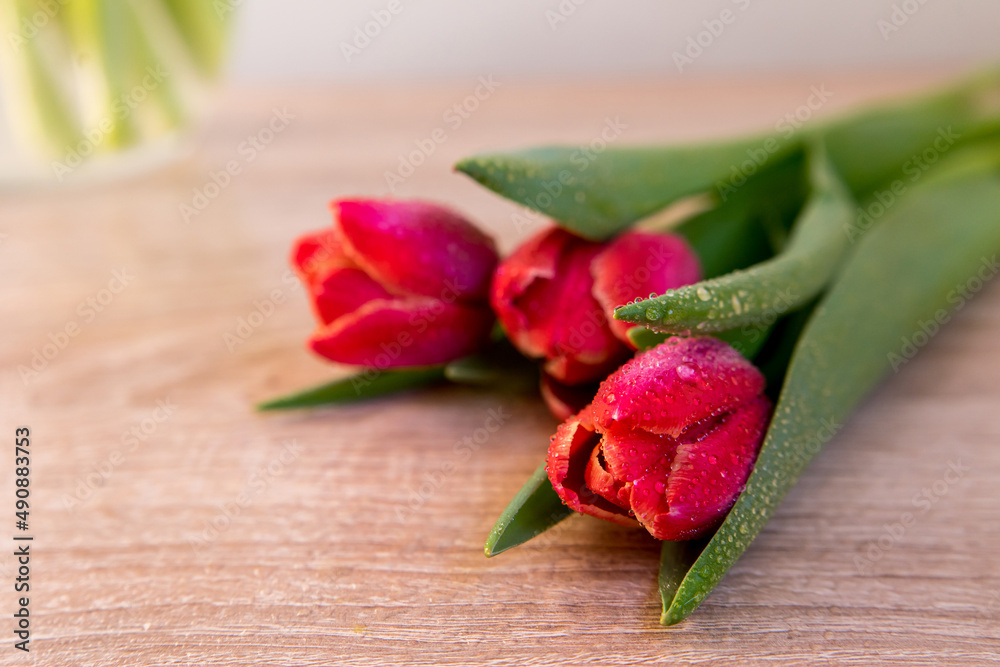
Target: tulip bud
<point>669,440</point>
<point>397,284</point>
<point>556,294</point>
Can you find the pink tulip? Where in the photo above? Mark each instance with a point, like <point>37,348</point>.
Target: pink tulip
<point>668,442</point>
<point>397,283</point>
<point>556,294</point>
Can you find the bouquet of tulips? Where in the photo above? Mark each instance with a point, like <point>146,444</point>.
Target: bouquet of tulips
<point>697,361</point>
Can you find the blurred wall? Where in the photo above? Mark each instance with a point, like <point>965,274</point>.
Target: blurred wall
<point>392,39</point>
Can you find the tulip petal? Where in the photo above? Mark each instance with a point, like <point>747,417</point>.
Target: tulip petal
<point>569,368</point>
<point>677,383</point>
<point>543,296</point>
<point>343,290</point>
<point>411,331</point>
<point>706,477</point>
<point>637,264</point>
<point>522,292</point>
<point>316,253</point>
<point>565,400</point>
<point>634,454</point>
<point>568,458</point>
<point>417,247</point>
<point>603,483</point>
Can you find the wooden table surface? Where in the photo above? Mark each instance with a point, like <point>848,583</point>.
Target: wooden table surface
<point>174,526</point>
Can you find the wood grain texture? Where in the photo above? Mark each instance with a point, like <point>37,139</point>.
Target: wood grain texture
<point>359,539</point>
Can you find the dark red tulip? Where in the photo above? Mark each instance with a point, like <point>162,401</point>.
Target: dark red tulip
<point>556,294</point>
<point>668,442</point>
<point>397,283</point>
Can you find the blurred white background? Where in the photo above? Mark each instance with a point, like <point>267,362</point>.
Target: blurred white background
<point>298,40</point>
<point>382,41</point>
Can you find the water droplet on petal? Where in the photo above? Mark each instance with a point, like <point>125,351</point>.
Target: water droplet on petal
<point>687,372</point>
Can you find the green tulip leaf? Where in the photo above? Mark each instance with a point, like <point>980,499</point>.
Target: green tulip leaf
<point>599,195</point>
<point>750,224</point>
<point>534,509</point>
<point>908,269</point>
<point>815,251</point>
<point>365,384</point>
<point>746,341</point>
<point>500,366</point>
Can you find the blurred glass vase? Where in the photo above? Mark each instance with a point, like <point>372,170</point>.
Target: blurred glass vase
<point>97,88</point>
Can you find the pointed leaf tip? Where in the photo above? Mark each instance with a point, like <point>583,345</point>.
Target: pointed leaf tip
<point>532,511</point>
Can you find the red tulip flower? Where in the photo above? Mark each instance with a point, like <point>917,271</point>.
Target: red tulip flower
<point>555,297</point>
<point>401,283</point>
<point>668,442</point>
